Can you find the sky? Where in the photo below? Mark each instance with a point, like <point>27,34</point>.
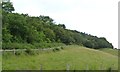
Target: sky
<point>95,17</point>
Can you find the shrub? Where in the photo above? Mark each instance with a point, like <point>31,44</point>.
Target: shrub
<point>17,53</point>
<point>57,49</point>
<point>53,50</point>
<point>62,47</point>
<point>29,52</point>
<point>17,46</point>
<point>109,69</point>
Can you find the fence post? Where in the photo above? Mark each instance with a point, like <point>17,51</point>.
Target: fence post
<point>40,67</point>
<point>68,67</point>
<point>101,67</point>
<point>14,51</point>
<point>87,67</point>
<point>112,66</point>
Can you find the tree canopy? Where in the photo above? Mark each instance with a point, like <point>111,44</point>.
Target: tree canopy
<point>22,28</point>
<point>7,6</point>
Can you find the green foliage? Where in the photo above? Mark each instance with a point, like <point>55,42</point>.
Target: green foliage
<point>17,46</point>
<point>18,53</point>
<point>29,52</point>
<point>7,6</point>
<point>6,35</point>
<point>109,69</point>
<point>57,49</point>
<point>53,50</point>
<point>62,26</point>
<point>50,35</point>
<point>47,45</point>
<point>88,44</point>
<point>62,47</point>
<point>40,32</point>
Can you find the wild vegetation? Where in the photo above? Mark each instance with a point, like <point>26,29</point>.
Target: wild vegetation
<point>76,57</point>
<point>39,43</point>
<point>111,51</point>
<point>24,31</point>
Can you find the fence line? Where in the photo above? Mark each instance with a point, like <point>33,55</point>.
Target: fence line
<point>67,67</point>
<point>87,68</point>
<point>40,67</point>
<point>31,49</point>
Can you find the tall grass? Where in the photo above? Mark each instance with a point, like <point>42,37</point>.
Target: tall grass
<point>78,58</point>
<point>111,51</point>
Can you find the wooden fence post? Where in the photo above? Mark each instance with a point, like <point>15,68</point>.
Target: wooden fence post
<point>112,66</point>
<point>87,67</point>
<point>101,66</point>
<point>14,51</point>
<point>68,67</point>
<point>40,67</point>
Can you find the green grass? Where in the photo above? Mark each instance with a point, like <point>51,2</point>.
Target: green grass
<point>78,58</point>
<point>111,51</point>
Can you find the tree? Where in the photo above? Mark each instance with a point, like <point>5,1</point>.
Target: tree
<point>46,19</point>
<point>49,34</point>
<point>88,44</point>
<point>62,26</point>
<point>22,28</point>
<point>7,6</point>
<point>6,36</point>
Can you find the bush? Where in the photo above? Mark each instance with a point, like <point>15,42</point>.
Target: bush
<point>29,46</point>
<point>7,46</point>
<point>18,53</point>
<point>53,50</point>
<point>47,45</point>
<point>17,46</point>
<point>109,69</point>
<point>29,52</point>
<point>57,49</point>
<point>62,47</point>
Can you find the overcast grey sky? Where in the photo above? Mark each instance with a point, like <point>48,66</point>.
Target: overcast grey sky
<point>96,17</point>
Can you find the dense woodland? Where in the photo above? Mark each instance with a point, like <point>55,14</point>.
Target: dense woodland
<point>24,31</point>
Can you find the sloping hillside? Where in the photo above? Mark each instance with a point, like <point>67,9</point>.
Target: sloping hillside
<point>76,57</point>
<point>111,51</point>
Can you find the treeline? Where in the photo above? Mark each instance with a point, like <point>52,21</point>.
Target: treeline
<point>35,32</point>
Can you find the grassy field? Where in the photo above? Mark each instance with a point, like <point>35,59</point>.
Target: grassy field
<point>111,51</point>
<point>75,57</point>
